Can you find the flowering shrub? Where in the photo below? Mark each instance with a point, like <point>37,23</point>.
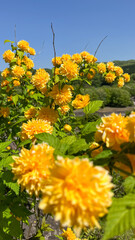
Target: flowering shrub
<point>62,162</point>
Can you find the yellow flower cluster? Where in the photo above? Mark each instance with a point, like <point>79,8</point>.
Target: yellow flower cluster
<point>77,193</point>
<point>48,114</point>
<point>17,71</point>
<point>24,46</point>
<point>8,56</point>
<point>28,62</point>
<point>91,73</point>
<point>113,131</point>
<point>16,83</point>
<point>32,167</point>
<point>30,113</point>
<point>40,79</point>
<point>69,69</point>
<point>56,61</point>
<point>81,101</point>
<point>61,96</point>
<point>101,68</point>
<point>110,77</point>
<point>77,58</point>
<point>4,112</point>
<point>4,83</point>
<point>33,127</point>
<point>5,73</point>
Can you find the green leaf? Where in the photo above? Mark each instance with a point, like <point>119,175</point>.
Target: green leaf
<point>8,181</point>
<point>128,147</point>
<point>48,138</point>
<point>5,162</point>
<point>24,143</point>
<point>8,41</point>
<point>68,140</point>
<point>15,99</point>
<point>92,107</point>
<point>121,216</point>
<point>20,54</point>
<point>4,145</point>
<point>90,127</point>
<point>77,146</point>
<point>129,184</point>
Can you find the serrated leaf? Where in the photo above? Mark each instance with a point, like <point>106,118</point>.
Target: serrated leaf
<point>20,54</point>
<point>129,184</point>
<point>48,138</point>
<point>8,181</point>
<point>77,146</point>
<point>15,99</point>
<point>8,41</point>
<point>68,140</point>
<point>92,107</point>
<point>3,145</point>
<point>5,162</point>
<point>121,216</point>
<point>90,127</point>
<point>24,143</point>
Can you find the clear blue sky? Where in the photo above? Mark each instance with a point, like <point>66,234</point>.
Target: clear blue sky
<point>78,25</point>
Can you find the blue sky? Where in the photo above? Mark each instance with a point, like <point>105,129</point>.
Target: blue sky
<point>78,26</point>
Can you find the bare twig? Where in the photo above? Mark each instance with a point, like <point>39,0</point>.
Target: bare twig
<point>54,47</point>
<point>100,44</point>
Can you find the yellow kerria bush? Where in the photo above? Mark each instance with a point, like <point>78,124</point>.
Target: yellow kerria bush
<point>76,58</point>
<point>110,66</point>
<point>30,113</point>
<point>91,74</point>
<point>61,96</point>
<point>5,73</point>
<point>126,77</point>
<point>77,193</point>
<point>17,71</point>
<point>121,82</point>
<point>40,79</point>
<point>16,83</point>
<point>110,77</point>
<point>48,114</point>
<point>112,131</point>
<point>4,112</point>
<point>131,126</point>
<point>101,68</point>
<point>81,101</point>
<point>118,71</point>
<point>28,62</point>
<point>56,61</point>
<point>8,56</point>
<point>35,126</point>
<point>31,51</point>
<point>23,45</point>
<point>69,69</point>
<point>31,167</point>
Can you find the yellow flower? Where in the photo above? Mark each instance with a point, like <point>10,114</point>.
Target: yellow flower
<point>19,61</point>
<point>48,114</point>
<point>65,57</point>
<point>90,59</point>
<point>77,193</point>
<point>30,113</point>
<point>16,83</point>
<point>29,74</point>
<point>118,71</point>
<point>91,74</point>
<point>28,62</point>
<point>81,101</point>
<point>34,127</point>
<point>4,83</point>
<point>67,128</point>
<point>84,54</point>
<point>110,77</point>
<point>8,148</point>
<point>64,109</point>
<point>126,77</point>
<point>31,51</point>
<point>101,68</point>
<point>4,111</point>
<point>121,82</point>
<point>32,167</point>
<point>17,71</point>
<point>76,58</point>
<point>8,56</point>
<point>69,69</point>
<point>131,126</point>
<point>69,234</point>
<point>112,131</point>
<point>96,149</point>
<point>40,79</point>
<point>5,73</point>
<point>57,71</point>
<point>23,45</point>
<point>61,96</point>
<point>56,61</point>
<point>110,66</point>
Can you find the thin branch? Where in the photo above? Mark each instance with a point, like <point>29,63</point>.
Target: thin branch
<point>15,35</point>
<point>54,47</point>
<point>100,44</point>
